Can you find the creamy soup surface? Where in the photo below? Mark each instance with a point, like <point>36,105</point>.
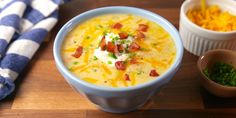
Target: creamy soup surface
<point>118,50</point>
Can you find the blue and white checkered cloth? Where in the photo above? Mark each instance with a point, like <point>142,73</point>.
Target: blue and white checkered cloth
<point>23,26</point>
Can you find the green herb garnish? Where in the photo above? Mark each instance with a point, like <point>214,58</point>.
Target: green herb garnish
<point>131,35</point>
<point>75,63</point>
<point>222,73</point>
<point>128,41</point>
<point>105,32</point>
<point>116,38</point>
<point>112,55</point>
<point>131,55</point>
<point>95,58</point>
<point>154,44</point>
<point>100,26</point>
<point>113,41</point>
<point>94,70</point>
<point>143,49</point>
<point>70,68</point>
<point>87,37</point>
<point>74,41</point>
<point>109,62</point>
<point>139,73</point>
<point>122,41</point>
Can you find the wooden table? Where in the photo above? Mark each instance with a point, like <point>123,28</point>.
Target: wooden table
<point>42,92</point>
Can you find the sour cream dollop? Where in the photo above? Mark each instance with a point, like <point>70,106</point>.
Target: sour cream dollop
<point>109,58</point>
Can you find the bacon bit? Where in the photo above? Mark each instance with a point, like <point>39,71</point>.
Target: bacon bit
<point>143,27</point>
<point>120,65</point>
<point>78,52</point>
<point>140,35</point>
<point>117,26</point>
<point>112,48</point>
<point>127,77</point>
<point>134,47</point>
<point>153,73</point>
<point>103,43</point>
<point>133,61</point>
<point>123,35</point>
<point>120,48</point>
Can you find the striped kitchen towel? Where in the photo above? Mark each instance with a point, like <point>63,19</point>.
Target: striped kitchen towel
<point>23,26</point>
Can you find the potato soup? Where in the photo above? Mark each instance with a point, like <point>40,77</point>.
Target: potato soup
<point>118,50</point>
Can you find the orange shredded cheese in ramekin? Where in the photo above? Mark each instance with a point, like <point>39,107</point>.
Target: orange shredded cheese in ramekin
<point>212,18</point>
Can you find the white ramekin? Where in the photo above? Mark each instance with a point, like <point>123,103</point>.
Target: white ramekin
<point>198,40</point>
<point>117,100</point>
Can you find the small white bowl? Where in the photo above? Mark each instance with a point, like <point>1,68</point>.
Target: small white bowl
<point>198,40</point>
<point>118,100</point>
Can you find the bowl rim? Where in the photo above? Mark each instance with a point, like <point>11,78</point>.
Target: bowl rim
<point>183,14</point>
<point>205,77</point>
<point>174,33</point>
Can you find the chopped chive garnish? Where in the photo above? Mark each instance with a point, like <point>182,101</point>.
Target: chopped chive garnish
<point>94,70</point>
<point>143,49</point>
<point>221,73</point>
<point>113,41</point>
<point>100,26</point>
<point>70,68</point>
<point>130,35</point>
<point>128,41</point>
<point>109,62</point>
<point>105,32</point>
<point>74,41</point>
<point>75,63</point>
<point>95,58</point>
<point>131,55</point>
<point>122,41</point>
<point>154,44</point>
<point>112,55</point>
<point>116,38</point>
<point>139,73</point>
<point>87,37</point>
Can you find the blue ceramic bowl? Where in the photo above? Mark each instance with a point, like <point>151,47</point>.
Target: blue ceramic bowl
<point>117,100</point>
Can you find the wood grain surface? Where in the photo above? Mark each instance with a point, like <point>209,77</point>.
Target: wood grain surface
<point>42,92</point>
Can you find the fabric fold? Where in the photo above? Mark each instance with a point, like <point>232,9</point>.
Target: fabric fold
<point>10,17</point>
<point>22,32</point>
<point>6,87</point>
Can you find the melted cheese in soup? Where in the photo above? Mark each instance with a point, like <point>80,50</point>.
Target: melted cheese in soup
<point>118,50</point>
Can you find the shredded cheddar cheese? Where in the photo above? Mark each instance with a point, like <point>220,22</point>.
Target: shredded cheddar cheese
<point>71,49</point>
<point>90,80</point>
<point>75,68</point>
<point>106,69</point>
<point>155,63</point>
<point>212,18</point>
<point>86,57</point>
<point>118,50</point>
<point>132,77</point>
<point>84,68</point>
<point>119,76</point>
